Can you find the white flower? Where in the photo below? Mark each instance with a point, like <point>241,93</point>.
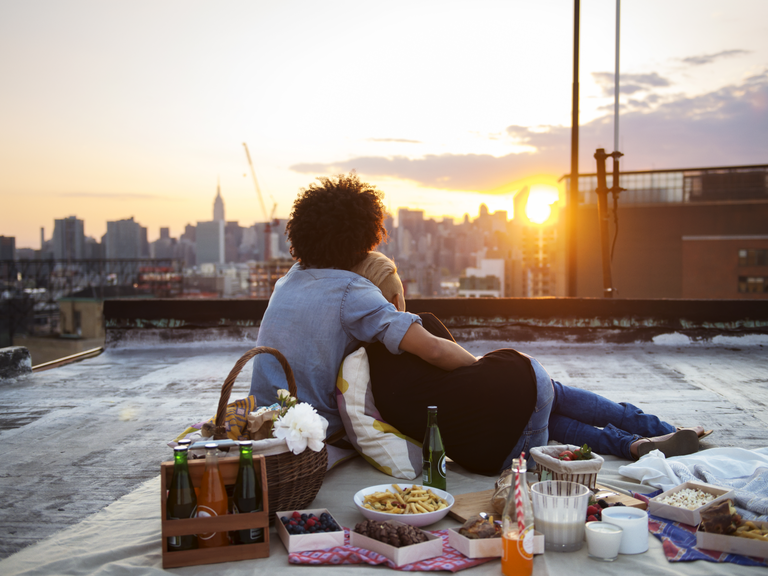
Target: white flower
<point>283,394</point>
<point>300,427</point>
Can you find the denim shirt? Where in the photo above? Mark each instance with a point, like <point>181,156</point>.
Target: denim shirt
<point>316,317</point>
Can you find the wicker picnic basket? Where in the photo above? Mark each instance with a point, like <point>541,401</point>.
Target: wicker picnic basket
<point>293,480</point>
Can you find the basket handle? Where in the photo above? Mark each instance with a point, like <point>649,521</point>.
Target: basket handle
<point>226,388</point>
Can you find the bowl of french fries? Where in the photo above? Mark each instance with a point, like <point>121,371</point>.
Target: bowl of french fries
<point>407,503</point>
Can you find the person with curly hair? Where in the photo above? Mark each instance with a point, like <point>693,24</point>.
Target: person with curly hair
<point>320,312</point>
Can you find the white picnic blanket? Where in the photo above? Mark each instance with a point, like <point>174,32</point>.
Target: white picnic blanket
<point>746,471</point>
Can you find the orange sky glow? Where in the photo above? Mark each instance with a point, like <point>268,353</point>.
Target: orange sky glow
<point>113,110</point>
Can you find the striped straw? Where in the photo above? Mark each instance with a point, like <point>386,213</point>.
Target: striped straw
<point>519,500</point>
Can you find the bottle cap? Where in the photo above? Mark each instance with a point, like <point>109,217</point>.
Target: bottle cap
<point>184,442</point>
<point>180,448</point>
<point>245,442</point>
<point>432,408</point>
<point>211,446</point>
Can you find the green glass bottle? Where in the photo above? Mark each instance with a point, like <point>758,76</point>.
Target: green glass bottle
<point>182,502</point>
<point>433,453</point>
<point>247,496</point>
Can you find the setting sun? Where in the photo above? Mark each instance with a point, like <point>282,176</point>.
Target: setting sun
<point>540,200</point>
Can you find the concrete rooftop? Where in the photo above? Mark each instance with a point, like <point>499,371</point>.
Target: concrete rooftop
<point>78,437</point>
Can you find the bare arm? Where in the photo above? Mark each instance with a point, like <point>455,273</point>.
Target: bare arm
<point>439,352</point>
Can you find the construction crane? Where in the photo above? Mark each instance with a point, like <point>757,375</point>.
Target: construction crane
<point>269,218</point>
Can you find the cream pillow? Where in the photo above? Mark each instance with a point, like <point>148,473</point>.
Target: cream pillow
<point>379,443</point>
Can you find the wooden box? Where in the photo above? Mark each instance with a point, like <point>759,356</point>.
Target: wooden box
<point>228,468</point>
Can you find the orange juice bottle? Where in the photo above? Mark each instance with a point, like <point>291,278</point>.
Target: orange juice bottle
<point>517,545</point>
<point>212,500</point>
<point>516,560</point>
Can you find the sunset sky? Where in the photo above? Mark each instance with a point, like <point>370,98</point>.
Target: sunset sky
<point>119,109</point>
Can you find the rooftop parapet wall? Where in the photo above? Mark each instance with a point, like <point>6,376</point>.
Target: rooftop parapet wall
<point>151,321</point>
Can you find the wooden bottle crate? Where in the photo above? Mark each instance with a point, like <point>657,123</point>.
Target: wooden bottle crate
<point>228,468</point>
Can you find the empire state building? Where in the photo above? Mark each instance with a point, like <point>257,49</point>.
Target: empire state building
<point>218,205</point>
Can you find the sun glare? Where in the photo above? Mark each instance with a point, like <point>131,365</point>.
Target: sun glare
<point>540,200</point>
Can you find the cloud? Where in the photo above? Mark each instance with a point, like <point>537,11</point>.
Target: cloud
<point>629,83</point>
<point>401,140</point>
<point>720,128</point>
<point>709,58</point>
<point>114,195</point>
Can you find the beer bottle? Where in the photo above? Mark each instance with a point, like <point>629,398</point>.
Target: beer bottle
<point>433,453</point>
<point>182,502</point>
<point>213,499</point>
<point>247,496</point>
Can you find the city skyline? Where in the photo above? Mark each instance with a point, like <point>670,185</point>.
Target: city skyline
<point>119,110</point>
<point>50,232</point>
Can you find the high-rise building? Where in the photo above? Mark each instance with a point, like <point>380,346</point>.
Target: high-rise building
<point>68,239</point>
<point>218,205</point>
<point>163,247</point>
<point>7,248</point>
<point>125,239</point>
<point>93,249</point>
<point>209,243</point>
<point>534,263</point>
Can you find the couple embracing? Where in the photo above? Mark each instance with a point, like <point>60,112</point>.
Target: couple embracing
<point>340,295</point>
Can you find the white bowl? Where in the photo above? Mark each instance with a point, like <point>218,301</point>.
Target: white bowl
<point>424,519</point>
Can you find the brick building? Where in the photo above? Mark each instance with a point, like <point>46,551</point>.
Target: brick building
<point>691,233</point>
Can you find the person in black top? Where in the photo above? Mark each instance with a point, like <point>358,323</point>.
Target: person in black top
<point>503,404</point>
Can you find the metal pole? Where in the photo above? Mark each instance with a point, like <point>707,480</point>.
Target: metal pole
<point>602,215</point>
<point>573,192</point>
<point>616,82</point>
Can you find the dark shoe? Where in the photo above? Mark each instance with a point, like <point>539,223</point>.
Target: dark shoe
<point>678,443</point>
<point>699,430</point>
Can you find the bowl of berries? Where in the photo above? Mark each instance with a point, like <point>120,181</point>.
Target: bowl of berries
<point>308,530</point>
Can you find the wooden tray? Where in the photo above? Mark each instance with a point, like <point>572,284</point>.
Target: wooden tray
<point>472,503</point>
<point>228,468</point>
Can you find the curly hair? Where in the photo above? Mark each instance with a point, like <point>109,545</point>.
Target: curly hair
<point>334,224</point>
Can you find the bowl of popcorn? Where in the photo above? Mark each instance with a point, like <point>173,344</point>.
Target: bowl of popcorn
<point>407,503</point>
<point>685,503</point>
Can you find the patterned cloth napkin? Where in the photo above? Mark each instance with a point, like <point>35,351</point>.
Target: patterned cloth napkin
<point>679,541</point>
<point>452,560</point>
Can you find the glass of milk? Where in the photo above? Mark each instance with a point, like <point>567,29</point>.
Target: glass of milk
<point>559,512</point>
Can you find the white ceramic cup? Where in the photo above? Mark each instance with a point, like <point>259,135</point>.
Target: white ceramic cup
<point>603,540</point>
<point>634,523</point>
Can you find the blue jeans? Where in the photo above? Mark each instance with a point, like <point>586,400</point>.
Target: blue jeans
<point>576,416</point>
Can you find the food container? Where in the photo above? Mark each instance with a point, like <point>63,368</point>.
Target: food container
<point>432,548</point>
<point>733,544</point>
<point>579,471</point>
<point>302,542</point>
<point>486,547</point>
<point>690,517</point>
<point>228,468</point>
